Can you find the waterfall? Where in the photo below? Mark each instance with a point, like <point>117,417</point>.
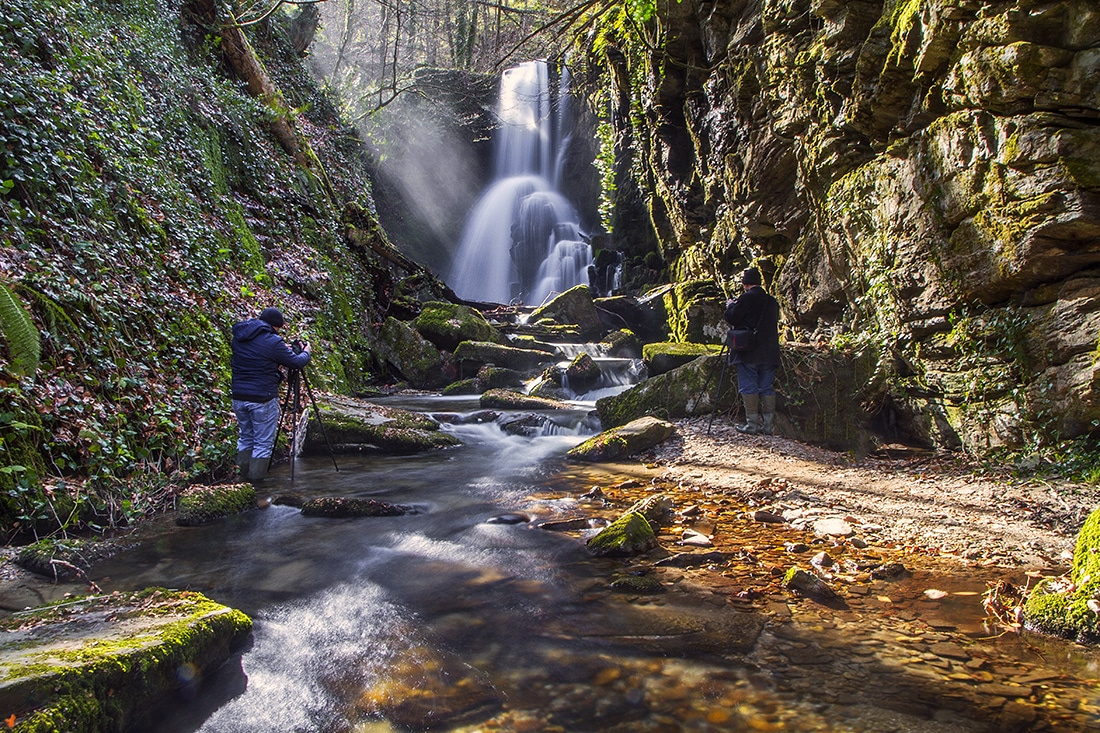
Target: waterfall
<point>522,240</point>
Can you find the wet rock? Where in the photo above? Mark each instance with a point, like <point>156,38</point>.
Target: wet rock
<point>356,426</point>
<point>465,387</point>
<point>63,559</point>
<point>75,666</point>
<point>575,307</point>
<point>410,356</point>
<point>573,525</point>
<point>636,583</point>
<point>796,548</point>
<point>509,518</point>
<point>507,399</point>
<point>682,392</point>
<point>620,442</point>
<point>472,355</point>
<point>204,504</point>
<point>528,424</point>
<point>767,517</point>
<point>808,585</point>
<point>889,570</point>
<point>337,507</point>
<point>695,539</point>
<point>293,500</point>
<point>665,356</point>
<point>582,374</point>
<point>822,560</point>
<point>657,509</point>
<point>628,535</point>
<point>694,559</point>
<point>446,325</point>
<point>595,494</point>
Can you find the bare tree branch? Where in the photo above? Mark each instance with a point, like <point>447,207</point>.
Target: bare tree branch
<point>278,4</point>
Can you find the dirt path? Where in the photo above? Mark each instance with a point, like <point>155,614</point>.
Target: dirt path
<point>928,501</point>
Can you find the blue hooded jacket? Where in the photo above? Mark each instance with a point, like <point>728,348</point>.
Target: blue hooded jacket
<point>257,353</point>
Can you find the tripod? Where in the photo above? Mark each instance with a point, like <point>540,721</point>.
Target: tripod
<point>295,378</point>
<point>724,357</point>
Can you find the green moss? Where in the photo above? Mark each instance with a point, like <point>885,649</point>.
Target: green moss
<point>97,682</point>
<point>204,504</point>
<point>650,351</point>
<point>630,534</point>
<point>447,325</point>
<point>1057,608</point>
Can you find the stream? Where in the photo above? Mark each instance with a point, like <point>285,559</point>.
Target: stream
<point>455,619</point>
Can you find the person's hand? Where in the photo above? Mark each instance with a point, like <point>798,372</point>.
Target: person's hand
<point>729,302</point>
<point>305,347</point>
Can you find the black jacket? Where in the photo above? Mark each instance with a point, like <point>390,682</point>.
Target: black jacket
<point>757,310</point>
<point>257,353</point>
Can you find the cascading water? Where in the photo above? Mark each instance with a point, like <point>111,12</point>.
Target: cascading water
<point>522,240</point>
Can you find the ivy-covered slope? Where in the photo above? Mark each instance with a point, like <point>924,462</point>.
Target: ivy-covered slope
<point>145,206</point>
<point>921,176</point>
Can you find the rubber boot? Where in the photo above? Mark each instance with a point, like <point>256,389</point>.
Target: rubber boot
<point>257,469</point>
<point>243,459</point>
<point>767,408</point>
<point>752,414</point>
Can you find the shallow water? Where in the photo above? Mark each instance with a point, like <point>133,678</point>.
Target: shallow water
<point>442,619</point>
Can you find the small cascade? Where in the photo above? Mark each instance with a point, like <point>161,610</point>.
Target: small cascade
<point>522,241</point>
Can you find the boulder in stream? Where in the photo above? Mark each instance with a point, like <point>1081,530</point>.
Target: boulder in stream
<point>97,663</point>
<point>412,357</point>
<point>507,399</point>
<point>204,504</point>
<point>630,534</point>
<point>1070,608</point>
<point>471,356</point>
<point>617,443</point>
<point>447,325</point>
<point>354,426</point>
<point>574,306</point>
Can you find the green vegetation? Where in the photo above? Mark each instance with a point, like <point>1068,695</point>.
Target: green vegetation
<point>1070,607</point>
<point>146,206</point>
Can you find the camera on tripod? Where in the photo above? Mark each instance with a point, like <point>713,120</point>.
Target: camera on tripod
<point>297,346</point>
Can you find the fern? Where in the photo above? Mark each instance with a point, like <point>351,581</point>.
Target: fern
<point>24,343</point>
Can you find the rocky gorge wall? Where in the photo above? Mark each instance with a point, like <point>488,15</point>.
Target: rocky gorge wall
<point>921,177</point>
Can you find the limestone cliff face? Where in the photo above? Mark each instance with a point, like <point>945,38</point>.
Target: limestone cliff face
<point>922,172</point>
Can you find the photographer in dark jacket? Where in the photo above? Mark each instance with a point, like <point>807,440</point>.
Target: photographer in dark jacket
<point>258,352</point>
<point>756,367</point>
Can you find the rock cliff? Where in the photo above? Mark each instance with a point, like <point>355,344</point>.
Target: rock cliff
<point>920,174</point>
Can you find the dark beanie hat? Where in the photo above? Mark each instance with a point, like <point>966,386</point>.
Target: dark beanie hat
<point>272,316</point>
<point>751,276</point>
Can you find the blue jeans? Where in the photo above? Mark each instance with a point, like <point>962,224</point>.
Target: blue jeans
<point>257,422</point>
<point>756,378</point>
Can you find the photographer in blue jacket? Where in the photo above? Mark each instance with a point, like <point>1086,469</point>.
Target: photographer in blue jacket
<point>758,311</point>
<point>258,352</point>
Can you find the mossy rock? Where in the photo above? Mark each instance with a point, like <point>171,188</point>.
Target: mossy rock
<point>204,504</point>
<point>76,556</point>
<point>683,392</point>
<point>465,386</point>
<point>413,358</point>
<point>99,663</point>
<point>473,355</point>
<point>582,373</point>
<point>495,377</point>
<point>628,535</point>
<point>665,356</point>
<point>338,507</point>
<point>695,310</point>
<point>623,344</point>
<point>507,399</point>
<point>1061,609</point>
<point>358,426</point>
<point>574,307</point>
<point>447,325</point>
<point>631,583</point>
<point>623,441</point>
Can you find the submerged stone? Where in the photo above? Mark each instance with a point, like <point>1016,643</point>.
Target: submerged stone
<point>96,663</point>
<point>336,507</point>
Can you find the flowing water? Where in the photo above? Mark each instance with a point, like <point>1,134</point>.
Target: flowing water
<point>456,618</point>
<point>522,240</point>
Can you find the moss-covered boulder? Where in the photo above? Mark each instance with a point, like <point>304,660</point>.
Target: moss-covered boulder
<point>339,507</point>
<point>647,320</point>
<point>410,356</point>
<point>357,426</point>
<point>574,307</point>
<point>494,377</point>
<point>447,325</point>
<point>62,559</point>
<point>99,663</point>
<point>623,441</point>
<point>623,344</point>
<point>695,309</point>
<point>204,504</point>
<point>683,392</point>
<point>472,355</point>
<point>628,535</point>
<point>582,374</point>
<point>507,399</point>
<point>471,386</point>
<point>1071,609</point>
<point>664,356</point>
